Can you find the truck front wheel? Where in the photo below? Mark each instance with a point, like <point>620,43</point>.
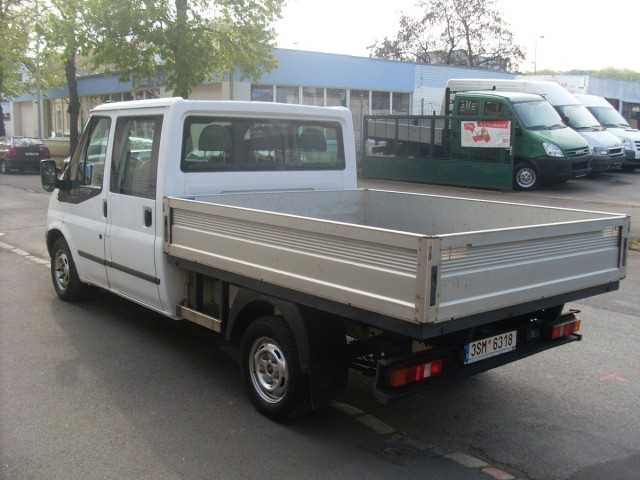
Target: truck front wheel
<point>271,368</point>
<point>525,177</point>
<point>64,275</point>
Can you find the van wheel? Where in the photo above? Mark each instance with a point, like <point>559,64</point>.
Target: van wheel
<point>271,368</point>
<point>64,275</point>
<point>525,177</point>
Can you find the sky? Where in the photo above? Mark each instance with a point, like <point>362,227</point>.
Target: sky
<point>578,34</point>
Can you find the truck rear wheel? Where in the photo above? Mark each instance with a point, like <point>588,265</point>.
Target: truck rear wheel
<point>64,275</point>
<point>271,368</point>
<point>525,177</point>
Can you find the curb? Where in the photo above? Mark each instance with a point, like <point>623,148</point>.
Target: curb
<point>404,441</point>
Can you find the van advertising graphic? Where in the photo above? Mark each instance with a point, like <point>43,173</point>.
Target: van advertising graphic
<point>486,134</point>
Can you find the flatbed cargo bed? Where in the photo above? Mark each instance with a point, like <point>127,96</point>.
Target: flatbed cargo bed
<point>428,261</point>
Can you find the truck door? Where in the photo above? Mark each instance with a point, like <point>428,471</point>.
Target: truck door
<point>131,240</point>
<point>83,204</point>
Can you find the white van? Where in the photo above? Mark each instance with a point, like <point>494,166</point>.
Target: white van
<point>607,150</point>
<point>615,123</point>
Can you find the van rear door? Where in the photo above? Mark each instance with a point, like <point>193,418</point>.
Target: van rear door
<point>132,209</point>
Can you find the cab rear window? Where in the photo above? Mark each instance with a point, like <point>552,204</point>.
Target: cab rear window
<point>214,144</point>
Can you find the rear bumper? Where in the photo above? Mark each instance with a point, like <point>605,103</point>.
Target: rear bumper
<point>454,367</point>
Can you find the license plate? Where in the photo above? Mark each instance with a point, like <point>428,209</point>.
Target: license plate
<point>31,154</point>
<point>490,347</point>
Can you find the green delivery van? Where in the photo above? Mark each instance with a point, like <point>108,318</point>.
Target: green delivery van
<point>544,149</point>
<point>488,139</point>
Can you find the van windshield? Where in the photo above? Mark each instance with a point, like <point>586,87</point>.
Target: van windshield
<point>579,118</point>
<point>609,117</point>
<point>539,115</point>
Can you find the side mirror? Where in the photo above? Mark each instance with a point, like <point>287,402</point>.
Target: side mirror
<point>49,175</point>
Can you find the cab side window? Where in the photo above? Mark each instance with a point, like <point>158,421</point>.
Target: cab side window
<point>86,167</point>
<point>468,107</point>
<point>493,109</point>
<point>135,156</point>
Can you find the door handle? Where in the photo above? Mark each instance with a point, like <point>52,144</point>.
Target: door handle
<point>104,208</point>
<point>148,219</point>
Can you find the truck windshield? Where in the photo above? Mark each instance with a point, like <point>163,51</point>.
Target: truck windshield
<point>579,118</point>
<point>539,115</point>
<point>609,117</point>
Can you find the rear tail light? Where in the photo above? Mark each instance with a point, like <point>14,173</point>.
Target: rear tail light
<point>44,151</point>
<point>563,329</point>
<point>415,373</point>
<point>12,152</point>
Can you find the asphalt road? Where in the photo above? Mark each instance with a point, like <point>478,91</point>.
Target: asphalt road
<point>107,390</point>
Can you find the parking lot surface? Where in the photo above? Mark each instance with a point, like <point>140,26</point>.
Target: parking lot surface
<point>106,389</point>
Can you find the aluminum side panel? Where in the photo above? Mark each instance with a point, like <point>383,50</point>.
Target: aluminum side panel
<point>488,271</point>
<point>361,272</point>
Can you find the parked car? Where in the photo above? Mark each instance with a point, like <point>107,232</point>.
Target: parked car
<point>607,152</point>
<point>615,123</point>
<point>264,238</point>
<point>21,154</point>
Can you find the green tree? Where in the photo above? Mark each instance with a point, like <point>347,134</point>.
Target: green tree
<point>454,32</point>
<point>13,51</point>
<point>66,30</point>
<point>185,41</point>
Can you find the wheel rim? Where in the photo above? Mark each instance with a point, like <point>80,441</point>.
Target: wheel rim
<point>62,271</point>
<point>268,370</point>
<point>526,177</point>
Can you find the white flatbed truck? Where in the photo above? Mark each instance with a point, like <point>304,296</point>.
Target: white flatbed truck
<point>245,218</point>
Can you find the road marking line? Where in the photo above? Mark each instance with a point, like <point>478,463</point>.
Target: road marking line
<point>375,424</point>
<point>466,460</point>
<point>347,409</point>
<point>498,474</point>
<point>25,254</point>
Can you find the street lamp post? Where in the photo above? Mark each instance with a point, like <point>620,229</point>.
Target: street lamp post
<point>535,54</point>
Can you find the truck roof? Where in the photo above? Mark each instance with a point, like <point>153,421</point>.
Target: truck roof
<point>593,100</point>
<point>514,97</point>
<point>226,106</point>
<point>555,93</point>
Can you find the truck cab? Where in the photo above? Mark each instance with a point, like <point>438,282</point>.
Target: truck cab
<point>544,149</point>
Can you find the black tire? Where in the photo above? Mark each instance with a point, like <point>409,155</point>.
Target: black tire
<point>287,396</point>
<point>629,168</point>
<point>64,275</point>
<point>525,177</point>
<point>4,170</point>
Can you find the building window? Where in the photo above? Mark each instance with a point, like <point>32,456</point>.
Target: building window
<point>262,93</point>
<point>336,97</point>
<point>313,96</point>
<point>287,94</point>
<point>380,103</point>
<point>401,103</point>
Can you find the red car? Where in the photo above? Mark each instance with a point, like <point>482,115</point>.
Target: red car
<point>21,154</point>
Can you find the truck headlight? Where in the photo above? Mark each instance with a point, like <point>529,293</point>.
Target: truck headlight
<point>552,150</point>
<point>628,143</point>
<point>600,150</point>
